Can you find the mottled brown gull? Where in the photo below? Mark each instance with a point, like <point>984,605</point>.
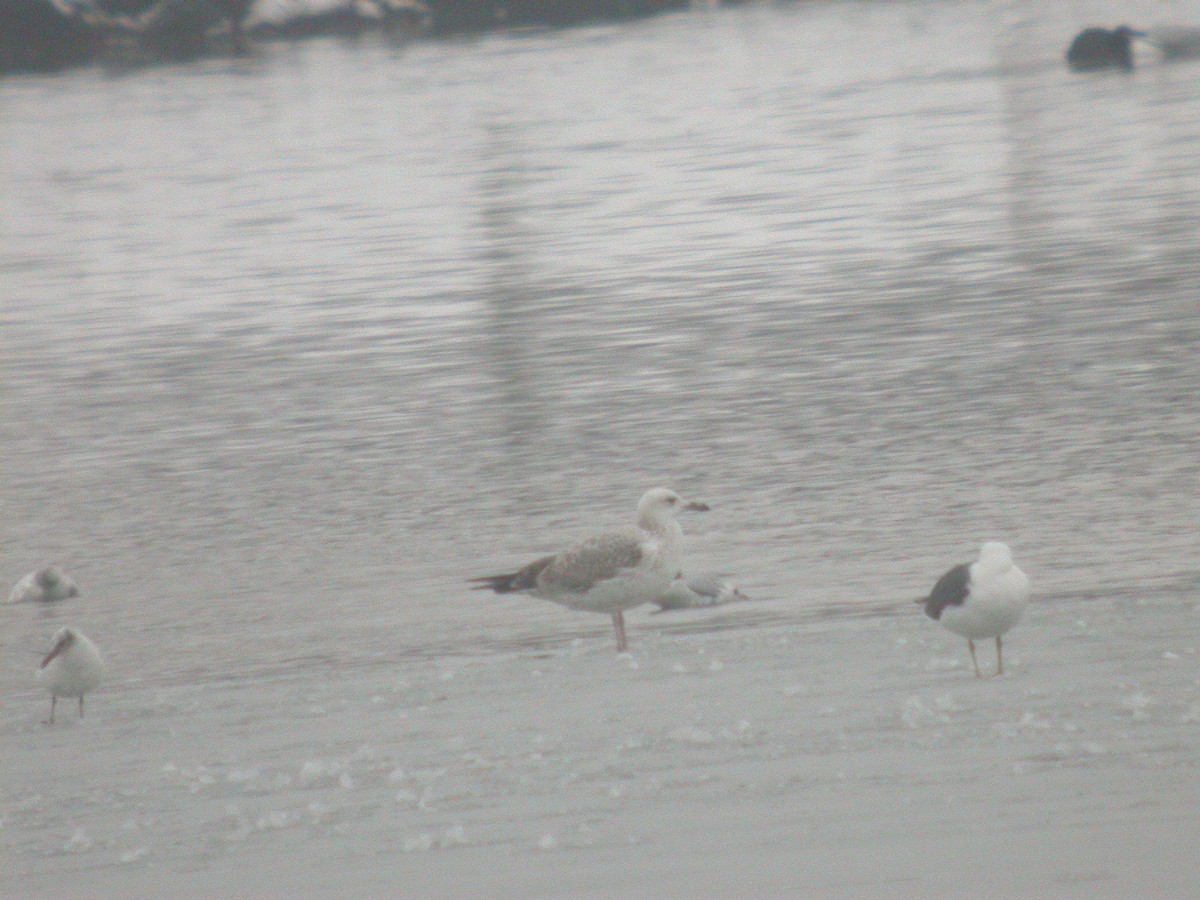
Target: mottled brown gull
<point>613,571</point>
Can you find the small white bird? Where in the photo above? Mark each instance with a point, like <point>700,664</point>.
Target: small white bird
<point>71,668</point>
<point>44,586</point>
<point>694,591</point>
<point>982,599</point>
<point>611,572</point>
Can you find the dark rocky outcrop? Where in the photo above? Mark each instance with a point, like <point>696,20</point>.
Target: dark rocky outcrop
<point>41,36</point>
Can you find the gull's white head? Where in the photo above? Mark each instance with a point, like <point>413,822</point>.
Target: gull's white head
<point>661,504</point>
<point>995,555</point>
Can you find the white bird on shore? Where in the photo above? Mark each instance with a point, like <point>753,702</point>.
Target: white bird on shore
<point>71,668</point>
<point>611,572</point>
<point>695,591</point>
<point>44,586</point>
<point>982,599</point>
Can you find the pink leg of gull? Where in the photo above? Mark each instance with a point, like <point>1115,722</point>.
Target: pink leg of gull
<point>618,619</point>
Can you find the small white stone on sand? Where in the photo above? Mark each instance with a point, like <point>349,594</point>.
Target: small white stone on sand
<point>134,855</point>
<point>689,734</point>
<point>422,841</point>
<point>79,842</point>
<point>312,771</point>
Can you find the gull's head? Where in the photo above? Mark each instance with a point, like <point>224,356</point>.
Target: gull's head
<point>663,503</point>
<point>63,639</point>
<point>52,580</point>
<point>995,555</point>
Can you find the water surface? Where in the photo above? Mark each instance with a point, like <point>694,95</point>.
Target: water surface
<point>295,345</point>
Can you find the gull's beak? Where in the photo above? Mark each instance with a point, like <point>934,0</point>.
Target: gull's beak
<point>54,651</point>
<point>695,506</point>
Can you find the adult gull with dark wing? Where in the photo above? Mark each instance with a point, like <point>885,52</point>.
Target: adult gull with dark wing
<point>982,599</point>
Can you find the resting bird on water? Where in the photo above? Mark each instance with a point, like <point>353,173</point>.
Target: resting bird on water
<point>44,586</point>
<point>71,668</point>
<point>982,599</point>
<point>696,591</point>
<point>1099,48</point>
<point>613,571</point>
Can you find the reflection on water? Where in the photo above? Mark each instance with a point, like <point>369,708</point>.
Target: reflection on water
<point>297,345</point>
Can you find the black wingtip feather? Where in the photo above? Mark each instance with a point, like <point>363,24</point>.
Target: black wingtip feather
<point>501,584</point>
<point>525,580</point>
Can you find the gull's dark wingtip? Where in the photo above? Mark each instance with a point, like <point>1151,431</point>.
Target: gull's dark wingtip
<point>501,584</point>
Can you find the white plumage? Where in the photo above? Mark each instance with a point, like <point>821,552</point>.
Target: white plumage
<point>979,600</point>
<point>695,591</point>
<point>72,668</point>
<point>44,586</point>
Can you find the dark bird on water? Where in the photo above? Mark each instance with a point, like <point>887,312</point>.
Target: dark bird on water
<point>1102,48</point>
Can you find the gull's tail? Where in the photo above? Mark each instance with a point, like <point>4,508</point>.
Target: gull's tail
<point>501,584</point>
<point>524,580</point>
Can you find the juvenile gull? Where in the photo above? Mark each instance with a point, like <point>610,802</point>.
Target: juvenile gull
<point>982,599</point>
<point>613,571</point>
<point>71,668</point>
<point>44,586</point>
<point>693,591</point>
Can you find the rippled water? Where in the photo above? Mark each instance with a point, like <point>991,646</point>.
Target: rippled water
<point>295,345</point>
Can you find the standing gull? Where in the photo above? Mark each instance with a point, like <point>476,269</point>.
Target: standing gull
<point>613,571</point>
<point>982,599</point>
<point>44,586</point>
<point>71,668</point>
<point>695,591</point>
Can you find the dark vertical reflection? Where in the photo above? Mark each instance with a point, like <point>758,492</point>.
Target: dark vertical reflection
<point>1030,216</point>
<point>511,295</point>
<point>1178,167</point>
<point>1177,271</point>
<point>1039,259</point>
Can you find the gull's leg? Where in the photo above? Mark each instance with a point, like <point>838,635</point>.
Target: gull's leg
<point>971,644</point>
<point>81,706</point>
<point>618,619</point>
<point>53,700</point>
<point>999,657</point>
